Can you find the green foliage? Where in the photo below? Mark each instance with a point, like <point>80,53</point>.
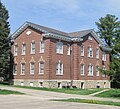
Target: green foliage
<point>113,93</point>
<point>4,42</point>
<point>91,101</point>
<point>109,31</point>
<point>6,92</point>
<point>64,90</point>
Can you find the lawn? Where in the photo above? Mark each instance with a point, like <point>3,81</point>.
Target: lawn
<point>113,93</point>
<point>6,92</point>
<point>91,101</point>
<point>64,90</point>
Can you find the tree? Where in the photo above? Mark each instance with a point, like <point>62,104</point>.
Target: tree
<point>4,42</point>
<point>109,31</point>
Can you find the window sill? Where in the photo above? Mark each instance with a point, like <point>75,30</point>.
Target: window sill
<point>22,74</point>
<point>41,73</point>
<point>82,55</point>
<point>90,75</point>
<point>31,74</point>
<point>23,54</point>
<point>14,74</point>
<point>41,52</point>
<point>32,53</point>
<point>59,53</point>
<point>15,55</point>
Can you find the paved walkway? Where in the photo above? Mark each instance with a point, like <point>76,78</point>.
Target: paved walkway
<point>37,99</point>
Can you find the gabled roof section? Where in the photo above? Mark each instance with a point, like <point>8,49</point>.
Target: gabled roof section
<point>53,33</point>
<point>39,28</point>
<point>80,33</point>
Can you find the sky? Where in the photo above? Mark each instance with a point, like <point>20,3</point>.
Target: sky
<point>64,15</point>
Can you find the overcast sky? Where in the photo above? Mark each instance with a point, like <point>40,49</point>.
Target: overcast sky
<point>65,15</point>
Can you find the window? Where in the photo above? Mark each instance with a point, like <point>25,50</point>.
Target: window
<point>82,69</point>
<point>41,68</point>
<point>22,68</point>
<point>32,67</point>
<point>15,69</point>
<point>42,47</point>
<point>68,49</point>
<point>59,68</point>
<point>97,71</point>
<point>31,84</point>
<point>103,56</point>
<point>23,49</point>
<point>90,37</point>
<point>97,53</point>
<point>90,70</point>
<point>103,68</point>
<point>15,50</point>
<point>82,50</point>
<point>59,48</point>
<point>90,52</point>
<point>33,48</point>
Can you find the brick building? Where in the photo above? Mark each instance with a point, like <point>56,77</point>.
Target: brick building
<point>45,57</point>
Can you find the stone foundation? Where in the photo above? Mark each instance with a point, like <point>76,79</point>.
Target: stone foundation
<point>84,84</point>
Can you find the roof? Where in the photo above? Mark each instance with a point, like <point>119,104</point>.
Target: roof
<point>80,33</point>
<point>53,33</point>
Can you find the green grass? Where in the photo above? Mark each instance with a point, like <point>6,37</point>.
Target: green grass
<point>63,90</point>
<point>6,92</point>
<point>91,101</point>
<point>112,93</point>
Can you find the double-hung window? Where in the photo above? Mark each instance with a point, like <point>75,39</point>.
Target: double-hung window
<point>82,69</point>
<point>59,48</point>
<point>15,69</point>
<point>23,49</point>
<point>90,70</point>
<point>42,47</point>
<point>33,47</point>
<point>41,67</point>
<point>59,68</point>
<point>90,52</point>
<point>103,56</point>
<point>97,53</point>
<point>32,68</point>
<point>68,49</point>
<point>22,68</point>
<point>82,50</point>
<point>15,50</point>
<point>97,71</point>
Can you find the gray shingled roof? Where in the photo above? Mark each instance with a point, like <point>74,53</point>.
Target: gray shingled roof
<point>81,33</point>
<point>49,30</point>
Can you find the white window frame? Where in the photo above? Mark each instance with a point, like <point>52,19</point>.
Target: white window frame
<point>103,56</point>
<point>68,49</point>
<point>97,71</point>
<point>59,68</point>
<point>41,70</point>
<point>33,47</point>
<point>90,52</point>
<point>32,70</point>
<point>42,47</point>
<point>97,53</point>
<point>82,50</point>
<point>23,49</point>
<point>90,70</point>
<point>15,50</point>
<point>59,47</point>
<point>15,69</point>
<point>22,68</point>
<point>81,69</point>
<point>103,68</point>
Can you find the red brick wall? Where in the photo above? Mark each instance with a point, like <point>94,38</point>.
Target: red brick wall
<point>51,57</point>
